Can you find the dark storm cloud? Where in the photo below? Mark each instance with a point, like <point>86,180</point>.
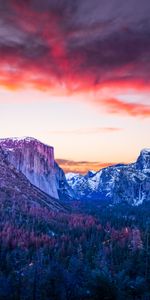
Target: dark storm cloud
<point>77,43</point>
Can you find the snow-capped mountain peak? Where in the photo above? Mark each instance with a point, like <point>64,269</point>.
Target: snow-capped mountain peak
<point>143,161</point>
<point>130,183</point>
<point>71,175</point>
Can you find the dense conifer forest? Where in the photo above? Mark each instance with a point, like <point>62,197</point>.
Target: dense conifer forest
<point>94,251</point>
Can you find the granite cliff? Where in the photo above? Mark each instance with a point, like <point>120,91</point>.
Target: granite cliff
<point>36,161</point>
<point>15,188</point>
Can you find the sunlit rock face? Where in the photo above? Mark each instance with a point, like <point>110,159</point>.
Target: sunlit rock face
<point>143,161</point>
<point>36,161</point>
<point>17,191</point>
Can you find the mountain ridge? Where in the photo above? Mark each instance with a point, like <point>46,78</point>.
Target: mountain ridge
<point>121,182</point>
<point>116,183</point>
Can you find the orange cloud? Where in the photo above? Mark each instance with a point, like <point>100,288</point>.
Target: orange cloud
<point>87,130</point>
<point>81,167</point>
<point>116,106</point>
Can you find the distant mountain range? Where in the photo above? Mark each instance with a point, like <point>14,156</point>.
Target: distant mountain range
<point>119,183</point>
<point>28,171</point>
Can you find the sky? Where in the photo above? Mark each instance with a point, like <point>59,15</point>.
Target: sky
<point>75,74</point>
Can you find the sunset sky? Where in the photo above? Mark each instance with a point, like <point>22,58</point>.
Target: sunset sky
<point>76,75</point>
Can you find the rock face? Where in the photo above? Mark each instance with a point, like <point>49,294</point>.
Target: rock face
<point>36,161</point>
<point>16,188</point>
<point>143,161</point>
<point>129,183</point>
